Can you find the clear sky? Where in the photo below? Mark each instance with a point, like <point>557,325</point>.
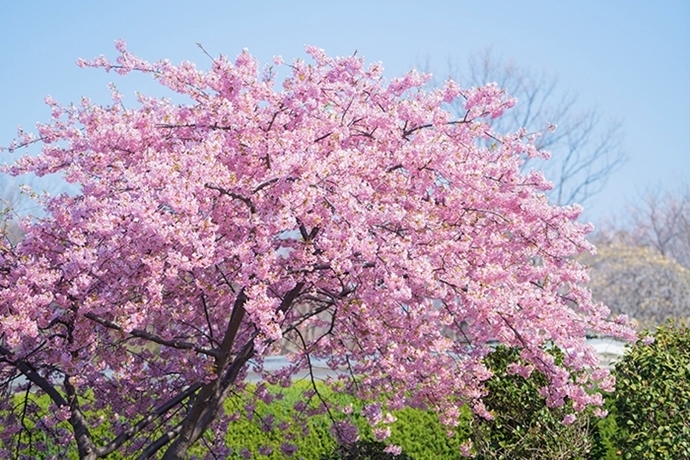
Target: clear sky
<point>629,58</point>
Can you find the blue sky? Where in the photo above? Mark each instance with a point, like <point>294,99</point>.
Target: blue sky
<point>631,59</point>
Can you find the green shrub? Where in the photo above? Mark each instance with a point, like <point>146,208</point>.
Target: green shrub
<point>418,432</point>
<point>524,427</point>
<point>651,405</point>
<point>604,434</point>
<point>422,436</point>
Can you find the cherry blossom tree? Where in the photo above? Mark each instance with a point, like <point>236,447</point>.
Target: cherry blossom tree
<point>208,228</point>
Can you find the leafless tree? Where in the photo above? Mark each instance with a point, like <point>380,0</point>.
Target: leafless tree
<point>642,267</point>
<point>585,148</point>
<point>662,222</point>
<point>11,203</point>
<point>655,220</point>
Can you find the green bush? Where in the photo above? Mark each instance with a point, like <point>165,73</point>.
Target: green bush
<point>651,402</point>
<point>651,405</point>
<point>418,432</point>
<point>524,427</point>
<point>604,445</point>
<point>422,436</point>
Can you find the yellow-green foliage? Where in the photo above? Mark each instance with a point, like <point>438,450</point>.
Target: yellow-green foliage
<point>417,431</point>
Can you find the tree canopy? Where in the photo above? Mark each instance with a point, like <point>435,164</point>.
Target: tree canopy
<point>206,231</point>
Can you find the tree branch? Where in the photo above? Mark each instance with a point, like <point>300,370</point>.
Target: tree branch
<point>155,446</point>
<point>179,344</point>
<point>85,445</point>
<point>159,411</point>
<point>236,196</point>
<point>30,373</point>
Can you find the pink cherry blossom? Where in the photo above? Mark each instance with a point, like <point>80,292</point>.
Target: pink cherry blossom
<point>569,419</point>
<point>393,449</point>
<point>338,215</point>
<point>381,434</point>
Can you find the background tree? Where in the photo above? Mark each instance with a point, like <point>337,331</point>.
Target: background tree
<point>585,148</point>
<point>642,267</point>
<point>639,282</point>
<point>8,226</point>
<point>660,222</point>
<point>13,205</point>
<point>206,231</point>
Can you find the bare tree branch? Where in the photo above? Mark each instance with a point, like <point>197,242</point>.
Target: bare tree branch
<point>585,150</point>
